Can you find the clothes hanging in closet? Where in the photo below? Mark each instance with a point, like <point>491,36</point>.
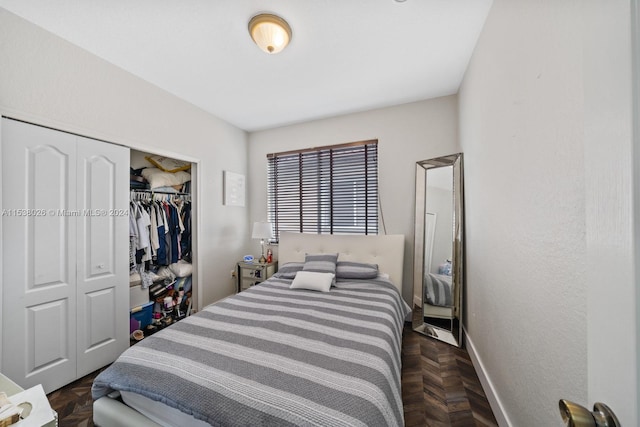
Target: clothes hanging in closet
<point>160,231</point>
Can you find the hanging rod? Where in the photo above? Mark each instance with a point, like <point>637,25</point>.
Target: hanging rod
<point>174,193</point>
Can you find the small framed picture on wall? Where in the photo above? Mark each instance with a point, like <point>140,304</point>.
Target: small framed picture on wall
<point>234,189</point>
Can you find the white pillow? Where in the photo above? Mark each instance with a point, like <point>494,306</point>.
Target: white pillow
<point>181,268</point>
<point>138,161</point>
<point>158,178</point>
<point>313,281</point>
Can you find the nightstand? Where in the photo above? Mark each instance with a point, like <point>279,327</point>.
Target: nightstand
<point>254,273</point>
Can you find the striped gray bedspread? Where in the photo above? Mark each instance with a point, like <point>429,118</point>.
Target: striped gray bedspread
<point>438,290</point>
<point>274,356</point>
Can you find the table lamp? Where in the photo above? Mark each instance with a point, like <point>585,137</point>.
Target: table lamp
<point>262,230</point>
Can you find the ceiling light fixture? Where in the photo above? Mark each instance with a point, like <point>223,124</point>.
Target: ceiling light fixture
<point>270,32</point>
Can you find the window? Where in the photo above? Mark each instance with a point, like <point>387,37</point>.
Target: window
<point>327,190</point>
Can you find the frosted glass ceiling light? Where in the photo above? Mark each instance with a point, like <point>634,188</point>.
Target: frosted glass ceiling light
<point>270,32</point>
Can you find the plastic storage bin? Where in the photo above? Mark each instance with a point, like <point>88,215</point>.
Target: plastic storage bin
<point>138,296</point>
<point>141,316</point>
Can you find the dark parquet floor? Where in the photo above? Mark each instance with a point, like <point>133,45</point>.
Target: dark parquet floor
<point>73,402</point>
<point>439,388</point>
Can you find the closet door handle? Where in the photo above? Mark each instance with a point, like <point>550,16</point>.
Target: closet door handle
<point>575,415</point>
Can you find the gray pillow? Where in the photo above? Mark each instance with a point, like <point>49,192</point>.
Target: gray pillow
<point>320,263</point>
<point>289,270</point>
<point>356,270</point>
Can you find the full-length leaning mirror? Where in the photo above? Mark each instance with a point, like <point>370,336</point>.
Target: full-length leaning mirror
<point>438,264</point>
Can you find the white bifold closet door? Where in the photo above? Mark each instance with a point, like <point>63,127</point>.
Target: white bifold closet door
<point>64,254</point>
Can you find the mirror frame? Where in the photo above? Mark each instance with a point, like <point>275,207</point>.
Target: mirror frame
<point>455,335</point>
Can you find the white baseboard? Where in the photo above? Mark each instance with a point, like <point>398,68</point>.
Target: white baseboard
<point>487,385</point>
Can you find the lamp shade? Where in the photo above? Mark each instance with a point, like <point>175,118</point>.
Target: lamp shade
<point>262,230</point>
<point>270,32</point>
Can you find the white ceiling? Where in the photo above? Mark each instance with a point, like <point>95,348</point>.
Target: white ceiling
<point>345,55</point>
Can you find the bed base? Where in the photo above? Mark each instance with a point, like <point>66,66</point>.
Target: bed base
<point>111,412</point>
<point>438,312</point>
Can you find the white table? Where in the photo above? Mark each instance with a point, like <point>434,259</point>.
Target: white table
<point>12,388</point>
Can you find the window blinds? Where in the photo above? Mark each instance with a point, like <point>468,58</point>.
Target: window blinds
<point>328,190</point>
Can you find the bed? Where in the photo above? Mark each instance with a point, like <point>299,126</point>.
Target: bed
<point>272,355</point>
<point>439,296</point>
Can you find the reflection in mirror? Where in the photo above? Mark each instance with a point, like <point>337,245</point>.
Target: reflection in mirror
<point>437,295</point>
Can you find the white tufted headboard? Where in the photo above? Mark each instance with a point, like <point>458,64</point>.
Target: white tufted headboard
<point>385,250</point>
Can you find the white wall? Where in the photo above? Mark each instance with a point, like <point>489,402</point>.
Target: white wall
<point>46,80</point>
<point>545,128</point>
<point>406,134</point>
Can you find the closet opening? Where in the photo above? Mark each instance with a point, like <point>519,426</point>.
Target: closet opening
<point>162,246</point>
